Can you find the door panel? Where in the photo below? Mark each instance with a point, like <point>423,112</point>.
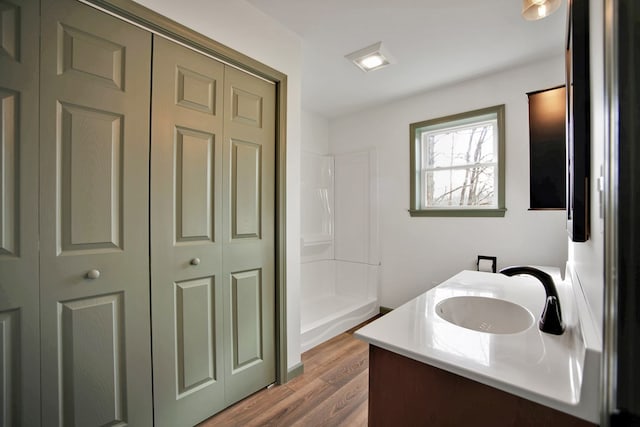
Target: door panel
<point>246,304</point>
<point>246,182</point>
<point>19,272</point>
<point>196,91</point>
<point>9,191</point>
<point>246,108</point>
<point>94,259</point>
<point>10,377</point>
<point>193,186</point>
<point>249,241</point>
<point>186,253</point>
<point>10,37</point>
<point>92,340</point>
<point>89,54</point>
<point>90,176</point>
<point>195,334</point>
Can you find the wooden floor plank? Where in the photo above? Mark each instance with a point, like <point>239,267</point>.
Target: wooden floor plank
<point>328,350</point>
<point>340,405</point>
<point>359,416</point>
<point>296,406</point>
<point>348,368</point>
<point>245,411</point>
<point>330,359</point>
<point>332,391</point>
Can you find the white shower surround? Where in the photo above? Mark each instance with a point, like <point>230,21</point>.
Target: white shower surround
<point>339,247</point>
<point>347,297</point>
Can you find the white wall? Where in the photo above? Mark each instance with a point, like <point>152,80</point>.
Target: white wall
<point>315,133</point>
<point>588,258</point>
<point>240,26</point>
<point>418,253</point>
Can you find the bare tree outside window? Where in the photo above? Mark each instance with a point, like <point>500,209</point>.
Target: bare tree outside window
<point>460,166</point>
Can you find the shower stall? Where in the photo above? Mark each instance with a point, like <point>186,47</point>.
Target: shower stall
<point>339,245</point>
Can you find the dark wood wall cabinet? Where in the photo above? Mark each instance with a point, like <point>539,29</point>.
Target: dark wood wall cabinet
<point>405,392</point>
<point>578,120</point>
<point>547,149</point>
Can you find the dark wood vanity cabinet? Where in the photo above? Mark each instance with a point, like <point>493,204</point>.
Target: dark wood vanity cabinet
<point>405,392</point>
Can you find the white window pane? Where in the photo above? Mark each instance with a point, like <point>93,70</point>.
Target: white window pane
<point>459,146</point>
<point>469,187</point>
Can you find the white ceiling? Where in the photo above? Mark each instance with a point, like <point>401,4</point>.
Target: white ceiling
<point>435,42</point>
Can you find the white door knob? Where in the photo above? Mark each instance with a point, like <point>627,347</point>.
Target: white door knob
<point>195,261</point>
<point>93,274</point>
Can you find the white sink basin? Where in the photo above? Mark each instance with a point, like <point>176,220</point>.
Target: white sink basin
<point>484,314</point>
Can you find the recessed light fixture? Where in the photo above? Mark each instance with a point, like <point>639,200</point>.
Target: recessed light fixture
<point>537,9</point>
<point>371,57</point>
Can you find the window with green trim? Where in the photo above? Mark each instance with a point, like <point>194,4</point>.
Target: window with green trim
<point>457,164</point>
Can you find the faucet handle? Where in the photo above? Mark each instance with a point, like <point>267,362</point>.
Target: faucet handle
<point>551,319</point>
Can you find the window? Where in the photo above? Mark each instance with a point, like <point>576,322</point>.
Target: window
<point>457,165</point>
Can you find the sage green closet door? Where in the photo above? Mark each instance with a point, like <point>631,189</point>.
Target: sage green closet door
<point>248,233</point>
<point>186,248</point>
<point>212,234</point>
<point>94,159</point>
<point>19,310</point>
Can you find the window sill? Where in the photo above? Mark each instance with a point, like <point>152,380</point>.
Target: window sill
<point>464,213</point>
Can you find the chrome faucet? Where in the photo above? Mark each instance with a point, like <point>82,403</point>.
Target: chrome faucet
<point>551,318</point>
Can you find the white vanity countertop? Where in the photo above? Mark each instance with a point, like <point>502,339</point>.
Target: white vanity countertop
<point>547,369</point>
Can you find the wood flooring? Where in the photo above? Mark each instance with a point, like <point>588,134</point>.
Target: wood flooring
<point>332,391</point>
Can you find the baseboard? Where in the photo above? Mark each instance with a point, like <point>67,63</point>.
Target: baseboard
<point>385,310</point>
<point>295,371</point>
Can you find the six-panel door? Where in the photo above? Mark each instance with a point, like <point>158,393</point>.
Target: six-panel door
<point>248,192</point>
<point>186,222</point>
<point>94,221</point>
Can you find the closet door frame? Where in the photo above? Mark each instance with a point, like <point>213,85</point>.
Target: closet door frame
<point>156,23</point>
